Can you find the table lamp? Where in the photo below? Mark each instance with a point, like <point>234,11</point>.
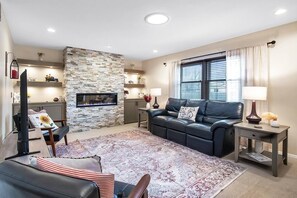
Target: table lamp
<point>156,92</point>
<point>254,93</point>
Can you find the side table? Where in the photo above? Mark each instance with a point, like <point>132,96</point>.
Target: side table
<point>142,112</point>
<point>265,134</point>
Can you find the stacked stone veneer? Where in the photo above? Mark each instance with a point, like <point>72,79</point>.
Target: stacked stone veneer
<point>88,71</point>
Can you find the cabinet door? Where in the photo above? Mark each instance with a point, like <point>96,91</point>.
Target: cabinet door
<point>130,111</point>
<point>55,111</point>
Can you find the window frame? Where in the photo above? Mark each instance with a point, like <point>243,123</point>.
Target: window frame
<point>205,82</point>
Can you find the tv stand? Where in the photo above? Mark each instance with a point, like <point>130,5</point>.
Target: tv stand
<point>38,147</point>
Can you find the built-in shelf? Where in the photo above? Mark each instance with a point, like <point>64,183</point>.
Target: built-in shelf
<point>37,63</point>
<point>134,71</point>
<point>42,84</point>
<point>134,85</point>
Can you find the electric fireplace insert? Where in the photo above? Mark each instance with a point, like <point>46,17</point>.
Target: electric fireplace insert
<point>96,99</point>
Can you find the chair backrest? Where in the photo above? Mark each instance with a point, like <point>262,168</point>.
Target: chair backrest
<point>139,191</point>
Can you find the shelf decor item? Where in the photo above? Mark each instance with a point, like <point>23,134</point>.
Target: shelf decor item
<point>156,92</point>
<point>14,66</point>
<point>147,98</point>
<point>254,93</point>
<point>271,118</point>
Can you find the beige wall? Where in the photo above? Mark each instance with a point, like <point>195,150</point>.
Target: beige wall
<point>283,71</point>
<point>6,44</point>
<point>29,52</point>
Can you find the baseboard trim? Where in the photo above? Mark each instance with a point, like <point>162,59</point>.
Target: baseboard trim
<point>289,154</point>
<point>292,155</point>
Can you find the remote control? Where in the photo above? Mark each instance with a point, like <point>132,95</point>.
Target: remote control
<point>258,126</point>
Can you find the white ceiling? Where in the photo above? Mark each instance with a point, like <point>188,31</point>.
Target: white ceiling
<point>95,24</point>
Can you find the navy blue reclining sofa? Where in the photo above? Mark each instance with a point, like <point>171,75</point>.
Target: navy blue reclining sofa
<point>212,133</point>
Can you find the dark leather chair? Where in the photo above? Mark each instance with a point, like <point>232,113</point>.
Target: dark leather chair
<point>20,180</point>
<point>52,137</point>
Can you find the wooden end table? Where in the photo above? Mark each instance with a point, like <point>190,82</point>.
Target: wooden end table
<point>142,112</point>
<point>265,134</point>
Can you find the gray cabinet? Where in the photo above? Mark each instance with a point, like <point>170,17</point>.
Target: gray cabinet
<point>131,109</point>
<point>56,110</point>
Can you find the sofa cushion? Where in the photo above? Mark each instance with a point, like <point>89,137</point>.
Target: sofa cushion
<point>173,113</point>
<point>161,120</point>
<point>174,104</point>
<point>178,124</point>
<point>188,113</point>
<point>216,110</point>
<point>197,103</point>
<point>200,130</point>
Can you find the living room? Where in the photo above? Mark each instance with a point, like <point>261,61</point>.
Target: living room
<point>157,58</point>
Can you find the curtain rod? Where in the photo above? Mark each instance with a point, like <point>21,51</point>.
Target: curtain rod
<point>271,43</point>
<point>197,57</point>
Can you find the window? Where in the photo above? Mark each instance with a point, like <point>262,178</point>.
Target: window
<point>204,79</point>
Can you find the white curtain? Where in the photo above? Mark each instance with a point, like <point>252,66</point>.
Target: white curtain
<point>247,67</point>
<point>174,79</point>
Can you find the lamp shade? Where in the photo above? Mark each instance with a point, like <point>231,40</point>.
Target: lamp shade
<point>254,93</point>
<point>156,92</point>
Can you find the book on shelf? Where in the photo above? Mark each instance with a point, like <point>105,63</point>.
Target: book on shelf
<point>259,157</point>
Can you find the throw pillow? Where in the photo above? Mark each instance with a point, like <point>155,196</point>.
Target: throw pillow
<point>92,163</point>
<point>188,113</point>
<point>42,120</point>
<point>104,181</point>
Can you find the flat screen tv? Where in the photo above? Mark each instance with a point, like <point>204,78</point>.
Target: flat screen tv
<point>21,120</point>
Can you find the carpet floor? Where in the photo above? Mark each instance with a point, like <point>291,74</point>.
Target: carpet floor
<point>176,171</point>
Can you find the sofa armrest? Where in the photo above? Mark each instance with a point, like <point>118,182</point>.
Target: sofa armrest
<point>224,124</point>
<point>155,112</point>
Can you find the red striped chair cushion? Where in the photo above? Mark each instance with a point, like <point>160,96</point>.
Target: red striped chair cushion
<point>103,180</point>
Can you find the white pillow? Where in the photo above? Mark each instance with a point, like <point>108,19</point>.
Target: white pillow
<point>188,113</point>
<point>42,120</point>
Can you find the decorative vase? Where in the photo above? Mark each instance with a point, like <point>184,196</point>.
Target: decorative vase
<point>274,123</point>
<point>148,105</point>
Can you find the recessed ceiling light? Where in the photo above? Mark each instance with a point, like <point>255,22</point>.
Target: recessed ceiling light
<point>280,11</point>
<point>156,18</point>
<point>155,51</point>
<point>108,46</point>
<point>52,30</point>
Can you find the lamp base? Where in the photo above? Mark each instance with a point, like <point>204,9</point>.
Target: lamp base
<point>155,105</point>
<point>253,118</point>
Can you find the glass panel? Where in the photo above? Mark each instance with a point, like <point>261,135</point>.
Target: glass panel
<point>217,90</point>
<point>192,73</point>
<point>234,91</point>
<point>217,70</point>
<point>191,90</point>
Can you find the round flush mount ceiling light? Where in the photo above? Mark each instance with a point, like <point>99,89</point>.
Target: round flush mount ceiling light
<point>155,51</point>
<point>156,18</point>
<point>280,11</point>
<point>52,30</point>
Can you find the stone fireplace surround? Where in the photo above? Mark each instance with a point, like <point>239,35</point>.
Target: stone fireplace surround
<point>89,71</point>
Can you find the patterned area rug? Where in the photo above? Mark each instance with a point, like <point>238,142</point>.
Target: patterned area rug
<point>176,171</point>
